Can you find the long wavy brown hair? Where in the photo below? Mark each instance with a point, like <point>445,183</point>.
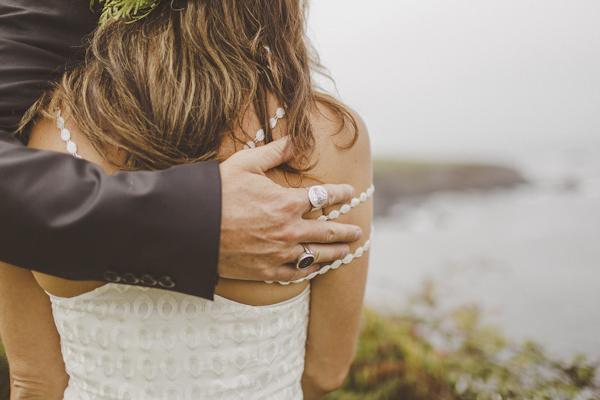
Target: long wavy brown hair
<point>167,89</point>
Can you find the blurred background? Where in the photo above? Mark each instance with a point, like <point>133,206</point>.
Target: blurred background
<point>485,128</point>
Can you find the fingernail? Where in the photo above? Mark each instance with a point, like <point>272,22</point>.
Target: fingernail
<point>358,234</point>
<point>346,252</point>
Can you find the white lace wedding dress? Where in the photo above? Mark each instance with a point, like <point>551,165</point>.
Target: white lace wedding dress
<point>130,342</point>
<point>134,343</point>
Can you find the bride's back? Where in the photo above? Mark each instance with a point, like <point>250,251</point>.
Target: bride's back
<point>193,85</point>
<point>200,84</point>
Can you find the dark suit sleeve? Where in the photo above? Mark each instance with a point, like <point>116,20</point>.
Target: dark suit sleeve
<point>64,216</point>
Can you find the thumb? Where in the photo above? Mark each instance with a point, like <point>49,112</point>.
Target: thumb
<point>269,156</point>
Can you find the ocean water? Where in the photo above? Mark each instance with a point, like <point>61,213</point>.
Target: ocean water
<point>511,82</point>
<point>530,256</point>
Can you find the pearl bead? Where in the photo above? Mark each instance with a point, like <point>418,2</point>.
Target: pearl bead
<point>65,135</point>
<point>71,148</point>
<point>260,135</point>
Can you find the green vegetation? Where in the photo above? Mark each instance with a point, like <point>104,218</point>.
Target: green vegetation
<point>426,353</point>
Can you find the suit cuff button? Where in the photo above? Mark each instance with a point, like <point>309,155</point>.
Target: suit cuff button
<point>112,276</point>
<point>130,279</point>
<point>148,280</point>
<point>166,282</point>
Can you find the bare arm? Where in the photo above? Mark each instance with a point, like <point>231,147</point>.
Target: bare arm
<point>337,296</point>
<point>30,338</point>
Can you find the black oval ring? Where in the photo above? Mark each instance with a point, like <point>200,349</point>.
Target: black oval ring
<point>305,259</point>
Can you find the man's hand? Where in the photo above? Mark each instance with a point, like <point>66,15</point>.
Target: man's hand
<point>262,226</point>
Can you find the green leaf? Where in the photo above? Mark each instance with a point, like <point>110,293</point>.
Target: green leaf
<point>131,10</point>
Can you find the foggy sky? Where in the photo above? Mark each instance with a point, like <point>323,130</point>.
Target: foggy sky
<point>466,77</point>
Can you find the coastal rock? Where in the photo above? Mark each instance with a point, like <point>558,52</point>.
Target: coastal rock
<point>398,180</point>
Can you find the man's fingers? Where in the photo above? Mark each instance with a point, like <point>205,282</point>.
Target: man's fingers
<point>336,195</point>
<point>266,157</point>
<point>324,255</point>
<point>328,232</point>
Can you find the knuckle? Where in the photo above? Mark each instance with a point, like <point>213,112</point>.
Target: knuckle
<point>301,204</point>
<point>292,204</point>
<point>275,258</point>
<point>271,275</point>
<point>330,234</point>
<point>290,235</point>
<point>349,191</point>
<point>295,253</point>
<point>286,205</point>
<point>344,193</point>
<point>325,254</point>
<point>296,274</point>
<point>284,273</point>
<point>280,235</point>
<point>331,196</point>
<point>285,257</point>
<point>316,253</point>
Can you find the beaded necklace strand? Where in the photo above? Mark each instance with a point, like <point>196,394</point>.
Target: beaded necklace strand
<point>65,136</point>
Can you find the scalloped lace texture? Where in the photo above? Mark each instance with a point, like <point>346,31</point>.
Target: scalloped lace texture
<point>131,342</point>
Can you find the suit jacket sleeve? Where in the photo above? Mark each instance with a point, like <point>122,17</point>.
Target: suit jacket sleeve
<point>64,216</point>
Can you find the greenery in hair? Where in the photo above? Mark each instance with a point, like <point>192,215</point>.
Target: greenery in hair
<point>131,10</point>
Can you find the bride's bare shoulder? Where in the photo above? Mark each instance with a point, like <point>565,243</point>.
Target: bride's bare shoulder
<point>343,150</point>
